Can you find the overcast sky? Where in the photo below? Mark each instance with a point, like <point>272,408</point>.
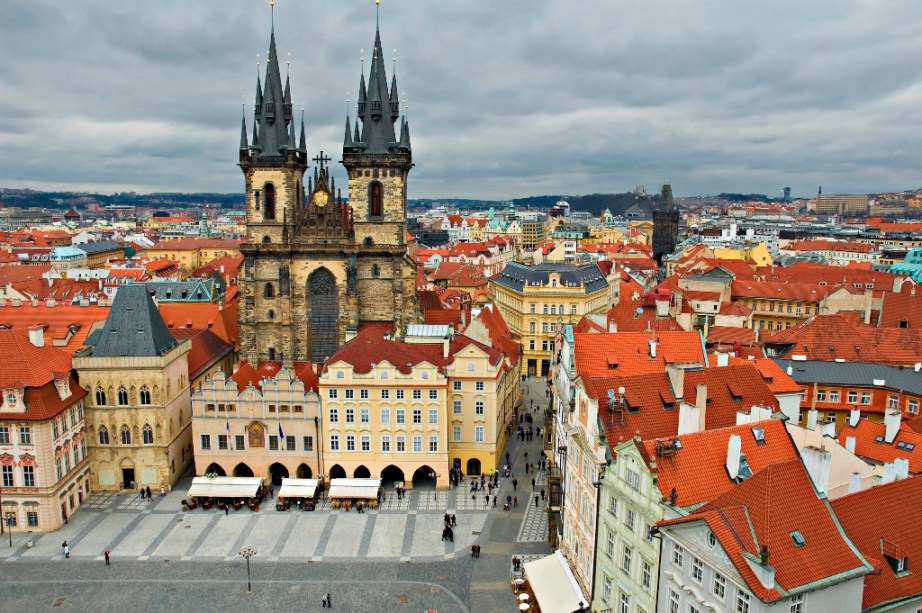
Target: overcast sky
<point>507,98</point>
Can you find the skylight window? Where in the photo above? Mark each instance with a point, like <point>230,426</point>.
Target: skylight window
<point>910,446</point>
<point>759,435</point>
<point>878,439</point>
<point>798,538</point>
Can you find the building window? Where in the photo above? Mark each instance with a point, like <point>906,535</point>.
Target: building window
<point>385,394</point>
<point>385,443</point>
<point>375,199</point>
<point>646,575</point>
<point>125,435</point>
<point>401,444</point>
<point>678,555</point>
<point>797,604</point>
<point>28,476</point>
<point>417,416</point>
<point>7,476</point>
<point>290,442</point>
<point>350,416</point>
<point>673,602</point>
<point>719,588</point>
<point>833,396</point>
<point>334,442</point>
<point>456,434</point>
<point>912,406</point>
<point>401,394</point>
<point>610,545</point>
<point>478,434</point>
<point>626,554</point>
<point>401,416</point>
<point>103,435</point>
<point>630,519</point>
<point>25,435</point>
<point>821,396</point>
<point>385,417</point>
<point>239,442</point>
<point>32,518</point>
<point>697,569</point>
<point>531,308</point>
<point>417,443</point>
<point>478,407</point>
<point>334,416</point>
<point>148,434</point>
<point>613,505</point>
<point>350,394</point>
<point>333,394</point>
<point>456,407</point>
<point>456,386</point>
<point>865,397</point>
<point>433,443</point>
<point>633,478</point>
<point>365,415</point>
<point>307,443</point>
<point>122,396</point>
<point>363,394</point>
<point>273,442</point>
<point>418,394</point>
<point>893,402</point>
<point>350,442</point>
<point>222,442</point>
<point>433,416</point>
<point>624,603</point>
<point>742,602</point>
<point>479,386</point>
<point>433,394</point>
<point>852,397</point>
<point>100,396</point>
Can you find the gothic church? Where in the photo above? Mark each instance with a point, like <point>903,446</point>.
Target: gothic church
<point>316,266</point>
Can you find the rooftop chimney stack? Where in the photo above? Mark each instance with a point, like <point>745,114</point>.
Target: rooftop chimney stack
<point>818,462</point>
<point>892,424</point>
<point>811,419</point>
<point>854,483</point>
<point>37,335</point>
<point>652,343</point>
<point>853,416</point>
<point>850,443</point>
<point>900,468</point>
<point>734,447</point>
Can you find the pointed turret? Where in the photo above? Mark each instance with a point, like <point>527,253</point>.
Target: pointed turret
<point>347,141</point>
<point>362,93</point>
<point>273,106</point>
<point>378,106</point>
<point>259,95</point>
<point>405,134</point>
<point>394,99</point>
<point>244,146</point>
<point>288,115</point>
<point>303,144</point>
<point>292,143</point>
<point>666,201</point>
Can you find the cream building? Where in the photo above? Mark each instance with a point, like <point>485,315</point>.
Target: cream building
<point>139,414</point>
<point>43,451</point>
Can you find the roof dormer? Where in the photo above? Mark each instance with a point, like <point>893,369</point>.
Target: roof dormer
<point>62,384</point>
<point>14,400</point>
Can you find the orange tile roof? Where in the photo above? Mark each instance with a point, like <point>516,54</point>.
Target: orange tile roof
<point>66,325</point>
<point>246,374</point>
<point>697,471</point>
<point>902,310</point>
<point>775,290</point>
<point>628,353</point>
<point>765,510</point>
<point>871,445</point>
<point>830,275</point>
<point>12,274</point>
<point>189,244</point>
<point>727,335</point>
<point>877,522</point>
<point>26,364</point>
<point>222,320</point>
<point>821,245</point>
<point>778,381</point>
<point>206,348</point>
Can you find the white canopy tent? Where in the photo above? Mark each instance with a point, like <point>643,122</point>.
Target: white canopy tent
<point>554,585</point>
<point>298,488</point>
<point>225,487</point>
<point>355,488</point>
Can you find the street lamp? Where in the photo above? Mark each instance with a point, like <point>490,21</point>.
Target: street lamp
<point>248,552</point>
<point>435,481</point>
<point>10,522</point>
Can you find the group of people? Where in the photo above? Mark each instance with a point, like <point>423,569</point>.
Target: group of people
<point>448,534</point>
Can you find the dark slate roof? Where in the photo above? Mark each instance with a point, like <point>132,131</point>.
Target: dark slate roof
<point>134,326</point>
<point>98,246</point>
<point>516,275</point>
<point>196,290</point>
<point>854,373</point>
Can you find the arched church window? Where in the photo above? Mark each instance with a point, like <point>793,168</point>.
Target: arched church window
<point>368,242</point>
<point>122,396</point>
<point>375,199</point>
<point>144,395</point>
<point>148,435</point>
<point>269,201</point>
<point>266,240</point>
<point>126,435</point>
<point>269,291</point>
<point>103,435</point>
<point>271,353</point>
<point>270,314</point>
<point>100,396</point>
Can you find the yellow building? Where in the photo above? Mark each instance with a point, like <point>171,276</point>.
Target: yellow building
<point>191,253</point>
<point>138,410</point>
<point>535,300</point>
<point>756,255</point>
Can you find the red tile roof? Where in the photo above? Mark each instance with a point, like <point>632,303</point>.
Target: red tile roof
<point>66,325</point>
<point>628,353</point>
<point>26,364</point>
<point>247,374</point>
<point>206,348</point>
<point>821,245</point>
<point>877,522</point>
<point>903,309</point>
<point>222,320</point>
<point>871,445</point>
<point>697,471</point>
<point>765,510</point>
<point>727,335</point>
<point>775,290</point>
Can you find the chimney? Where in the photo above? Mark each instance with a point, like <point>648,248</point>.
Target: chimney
<point>734,447</point>
<point>868,304</point>
<point>892,423</point>
<point>676,376</point>
<point>446,342</point>
<point>690,418</point>
<point>722,359</point>
<point>889,475</point>
<point>701,399</point>
<point>818,462</point>
<point>652,343</point>
<point>854,483</point>
<point>850,443</point>
<point>811,419</point>
<point>612,326</point>
<point>853,417</point>
<point>37,335</point>
<point>900,468</point>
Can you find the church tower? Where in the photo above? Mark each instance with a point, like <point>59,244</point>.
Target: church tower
<point>665,225</point>
<point>317,267</point>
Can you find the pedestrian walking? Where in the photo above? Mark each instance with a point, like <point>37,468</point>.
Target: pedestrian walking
<point>515,502</point>
<point>149,495</point>
<point>327,601</point>
<point>226,509</point>
<point>107,557</point>
<point>66,550</point>
<point>494,501</point>
<point>542,494</point>
<point>454,521</point>
<point>162,491</point>
<point>515,484</point>
<point>526,456</point>
<point>486,500</point>
<point>507,458</point>
<point>532,484</point>
<point>536,501</point>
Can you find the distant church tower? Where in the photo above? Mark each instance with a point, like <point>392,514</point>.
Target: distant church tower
<point>315,266</point>
<point>665,225</point>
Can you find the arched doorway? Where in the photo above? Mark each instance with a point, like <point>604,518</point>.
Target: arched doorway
<point>424,477</point>
<point>473,467</point>
<point>242,470</point>
<point>128,476</point>
<point>337,472</point>
<point>215,469</point>
<point>391,474</point>
<point>324,313</point>
<point>277,472</point>
<point>361,473</point>
<point>304,471</point>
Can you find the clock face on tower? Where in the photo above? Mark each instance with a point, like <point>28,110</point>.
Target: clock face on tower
<point>320,198</point>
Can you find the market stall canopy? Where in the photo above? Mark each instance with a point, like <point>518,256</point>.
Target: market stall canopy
<point>225,487</point>
<point>355,488</point>
<point>298,488</point>
<point>553,584</point>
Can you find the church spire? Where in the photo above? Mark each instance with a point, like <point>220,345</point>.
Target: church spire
<point>273,104</point>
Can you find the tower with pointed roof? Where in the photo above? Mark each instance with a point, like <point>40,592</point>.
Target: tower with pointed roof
<point>665,225</point>
<point>317,266</point>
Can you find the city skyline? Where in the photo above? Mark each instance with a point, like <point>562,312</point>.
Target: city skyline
<point>536,98</point>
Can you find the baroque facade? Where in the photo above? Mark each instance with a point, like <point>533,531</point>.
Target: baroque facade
<point>315,265</point>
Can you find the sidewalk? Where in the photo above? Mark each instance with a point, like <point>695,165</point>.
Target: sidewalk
<point>517,532</point>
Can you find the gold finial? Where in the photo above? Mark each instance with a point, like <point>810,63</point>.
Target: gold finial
<point>377,2</point>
